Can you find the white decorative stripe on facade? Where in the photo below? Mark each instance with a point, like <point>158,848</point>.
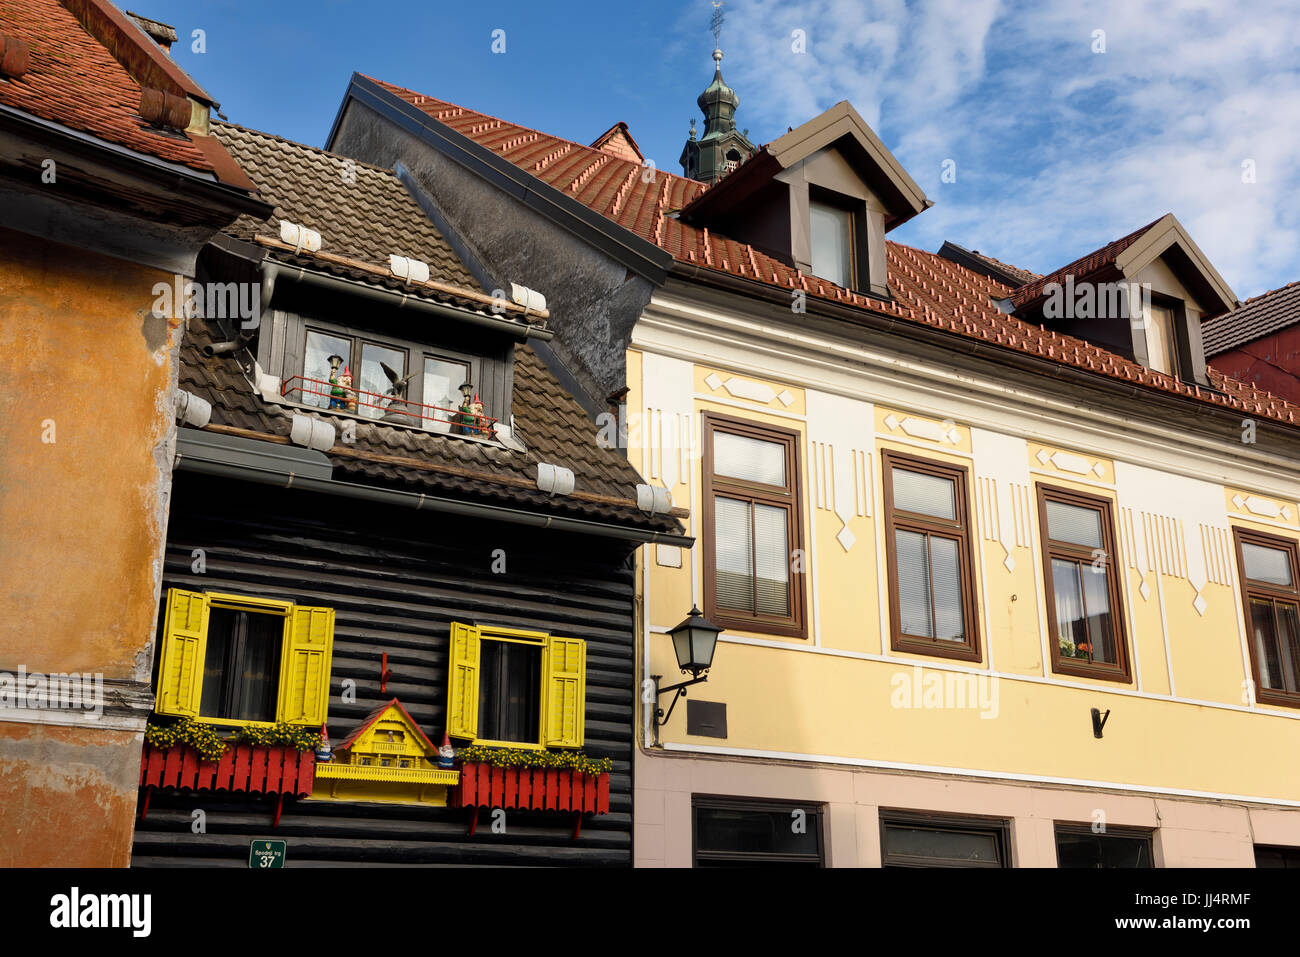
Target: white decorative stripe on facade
<point>839,450</point>
<point>1216,543</point>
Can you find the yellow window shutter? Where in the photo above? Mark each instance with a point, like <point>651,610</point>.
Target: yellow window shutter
<point>565,692</point>
<point>305,666</point>
<point>180,668</point>
<point>462,691</point>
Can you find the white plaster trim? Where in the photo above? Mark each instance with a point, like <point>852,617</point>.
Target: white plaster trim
<point>935,665</point>
<point>970,772</point>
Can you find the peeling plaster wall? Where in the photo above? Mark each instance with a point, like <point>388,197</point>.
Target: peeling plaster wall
<point>86,440</point>
<point>593,300</point>
<point>58,782</point>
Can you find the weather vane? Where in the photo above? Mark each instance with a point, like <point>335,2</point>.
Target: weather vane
<point>717,22</point>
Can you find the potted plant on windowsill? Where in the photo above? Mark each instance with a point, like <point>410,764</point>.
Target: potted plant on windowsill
<point>532,779</point>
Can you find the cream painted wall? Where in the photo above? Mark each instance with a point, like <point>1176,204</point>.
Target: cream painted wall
<point>1185,724</point>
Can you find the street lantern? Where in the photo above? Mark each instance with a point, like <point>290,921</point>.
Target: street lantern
<point>694,642</point>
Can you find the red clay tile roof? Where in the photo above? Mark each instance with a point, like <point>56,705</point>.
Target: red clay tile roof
<point>1082,268</point>
<point>927,288</point>
<point>76,82</point>
<point>1255,318</point>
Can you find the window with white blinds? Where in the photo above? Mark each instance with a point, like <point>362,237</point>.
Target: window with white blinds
<point>752,517</point>
<point>930,584</point>
<point>1082,578</point>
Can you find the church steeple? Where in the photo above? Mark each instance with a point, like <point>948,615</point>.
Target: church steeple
<point>722,147</point>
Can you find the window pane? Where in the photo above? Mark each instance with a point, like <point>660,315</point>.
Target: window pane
<point>832,244</point>
<point>373,378</point>
<point>945,571</point>
<point>753,460</point>
<point>241,666</point>
<point>926,494</point>
<point>1101,628</point>
<point>1269,565</point>
<point>733,554</point>
<point>941,847</point>
<point>754,832</point>
<point>316,365</point>
<point>1071,628</point>
<point>1162,354</point>
<point>1266,644</point>
<point>913,576</point>
<point>1073,524</point>
<point>509,691</point>
<point>772,560</point>
<point>1102,850</point>
<point>442,382</point>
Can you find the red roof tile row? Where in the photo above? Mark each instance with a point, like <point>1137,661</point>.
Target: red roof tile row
<point>74,80</point>
<point>927,288</point>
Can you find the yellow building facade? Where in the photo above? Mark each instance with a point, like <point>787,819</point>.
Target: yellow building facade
<point>840,720</point>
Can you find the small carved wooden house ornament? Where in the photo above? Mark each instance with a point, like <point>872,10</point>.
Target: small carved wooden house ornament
<point>387,759</point>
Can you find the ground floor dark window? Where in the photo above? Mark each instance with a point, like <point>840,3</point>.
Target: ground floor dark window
<point>1277,857</point>
<point>510,683</point>
<point>241,666</point>
<point>733,832</point>
<point>910,839</point>
<point>1079,846</point>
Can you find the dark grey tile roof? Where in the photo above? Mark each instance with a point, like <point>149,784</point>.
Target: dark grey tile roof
<point>548,420</point>
<point>362,212</point>
<point>1253,319</point>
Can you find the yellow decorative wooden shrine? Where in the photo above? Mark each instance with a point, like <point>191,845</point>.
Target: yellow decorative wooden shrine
<point>387,760</point>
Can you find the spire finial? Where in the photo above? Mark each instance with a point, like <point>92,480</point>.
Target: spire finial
<point>718,17</point>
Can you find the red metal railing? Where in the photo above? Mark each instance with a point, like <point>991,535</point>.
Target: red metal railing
<point>353,400</point>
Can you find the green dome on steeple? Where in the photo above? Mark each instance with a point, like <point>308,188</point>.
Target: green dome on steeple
<point>718,103</point>
<point>722,147</point>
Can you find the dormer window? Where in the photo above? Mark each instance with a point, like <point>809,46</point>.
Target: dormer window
<point>390,377</point>
<point>831,232</point>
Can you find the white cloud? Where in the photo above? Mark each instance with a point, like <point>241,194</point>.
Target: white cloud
<point>1058,149</point>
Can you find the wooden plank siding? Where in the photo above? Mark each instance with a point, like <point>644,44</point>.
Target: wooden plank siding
<point>397,578</point>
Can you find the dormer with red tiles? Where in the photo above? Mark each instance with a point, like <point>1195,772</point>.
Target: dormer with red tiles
<point>1143,296</point>
<point>820,199</point>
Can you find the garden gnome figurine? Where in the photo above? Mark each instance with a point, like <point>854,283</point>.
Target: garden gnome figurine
<point>345,384</point>
<point>324,753</point>
<point>446,754</point>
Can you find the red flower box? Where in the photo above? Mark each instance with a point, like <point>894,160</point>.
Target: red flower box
<point>531,789</point>
<point>244,767</point>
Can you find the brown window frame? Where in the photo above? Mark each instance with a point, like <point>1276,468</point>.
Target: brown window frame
<point>969,650</point>
<point>1121,670</point>
<point>789,497</point>
<point>1273,696</point>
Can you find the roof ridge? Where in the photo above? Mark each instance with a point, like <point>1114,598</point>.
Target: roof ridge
<point>529,129</point>
<point>1262,295</point>
<point>305,146</point>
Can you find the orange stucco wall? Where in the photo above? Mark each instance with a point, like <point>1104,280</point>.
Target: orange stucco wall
<point>57,782</point>
<point>86,380</point>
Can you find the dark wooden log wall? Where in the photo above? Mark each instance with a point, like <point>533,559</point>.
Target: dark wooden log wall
<point>397,578</point>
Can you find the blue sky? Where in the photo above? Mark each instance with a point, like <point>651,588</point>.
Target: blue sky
<point>1066,127</point>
